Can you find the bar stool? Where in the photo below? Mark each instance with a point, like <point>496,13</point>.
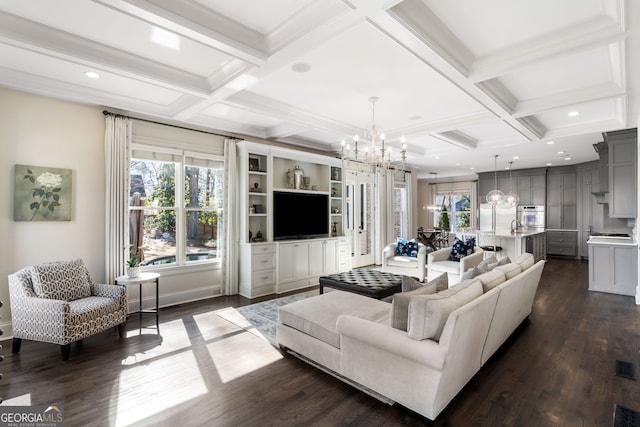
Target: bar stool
<point>488,243</point>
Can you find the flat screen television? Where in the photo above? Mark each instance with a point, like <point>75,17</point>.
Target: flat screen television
<point>300,215</point>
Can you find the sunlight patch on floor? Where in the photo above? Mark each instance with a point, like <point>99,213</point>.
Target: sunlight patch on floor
<point>213,326</point>
<point>150,388</point>
<point>174,337</point>
<point>240,355</point>
<point>22,400</point>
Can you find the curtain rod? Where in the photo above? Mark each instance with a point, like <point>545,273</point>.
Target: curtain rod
<point>109,113</point>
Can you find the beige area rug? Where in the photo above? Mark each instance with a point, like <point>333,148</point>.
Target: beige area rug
<point>261,320</point>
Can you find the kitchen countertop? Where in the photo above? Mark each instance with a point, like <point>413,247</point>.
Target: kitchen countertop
<point>523,233</point>
<point>603,240</point>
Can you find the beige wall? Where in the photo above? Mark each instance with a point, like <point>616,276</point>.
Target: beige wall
<point>40,131</point>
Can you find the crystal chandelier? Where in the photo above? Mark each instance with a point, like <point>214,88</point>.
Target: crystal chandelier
<point>375,154</point>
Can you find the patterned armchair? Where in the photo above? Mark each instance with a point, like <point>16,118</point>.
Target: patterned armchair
<point>58,303</point>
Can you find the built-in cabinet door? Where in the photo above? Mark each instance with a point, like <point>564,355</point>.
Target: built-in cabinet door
<point>561,201</point>
<point>538,190</point>
<point>613,269</point>
<point>524,190</point>
<point>293,263</point>
<point>622,173</point>
<point>323,257</point>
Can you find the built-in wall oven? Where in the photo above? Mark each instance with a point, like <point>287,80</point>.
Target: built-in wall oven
<point>531,217</point>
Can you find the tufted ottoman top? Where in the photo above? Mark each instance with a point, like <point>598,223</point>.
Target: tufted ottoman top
<point>372,283</point>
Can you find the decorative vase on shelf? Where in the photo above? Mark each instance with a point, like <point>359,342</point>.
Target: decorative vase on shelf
<point>133,272</point>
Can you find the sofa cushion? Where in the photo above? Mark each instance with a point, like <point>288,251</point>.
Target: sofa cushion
<point>452,267</point>
<point>62,280</point>
<point>510,270</point>
<point>461,249</point>
<point>491,279</point>
<point>525,260</point>
<point>317,316</point>
<point>400,302</point>
<point>403,261</point>
<point>429,313</point>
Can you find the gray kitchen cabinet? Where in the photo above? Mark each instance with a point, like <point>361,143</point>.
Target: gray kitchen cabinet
<point>622,173</point>
<point>561,198</point>
<point>531,189</point>
<point>528,184</point>
<point>613,268</point>
<point>590,214</point>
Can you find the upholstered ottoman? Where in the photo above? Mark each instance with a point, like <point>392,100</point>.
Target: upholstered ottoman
<point>371,283</point>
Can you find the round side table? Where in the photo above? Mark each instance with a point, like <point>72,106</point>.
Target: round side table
<point>139,280</point>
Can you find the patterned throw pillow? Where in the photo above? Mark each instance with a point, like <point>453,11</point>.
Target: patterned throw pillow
<point>461,249</point>
<point>400,245</point>
<point>407,248</point>
<point>63,280</point>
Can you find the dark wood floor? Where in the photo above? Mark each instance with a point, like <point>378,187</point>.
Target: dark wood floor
<point>557,370</point>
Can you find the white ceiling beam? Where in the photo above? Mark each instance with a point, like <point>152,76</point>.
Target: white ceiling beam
<point>564,99</point>
<point>198,23</point>
<point>34,37</point>
<point>578,38</point>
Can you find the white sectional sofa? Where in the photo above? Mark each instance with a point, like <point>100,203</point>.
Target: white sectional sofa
<point>449,335</point>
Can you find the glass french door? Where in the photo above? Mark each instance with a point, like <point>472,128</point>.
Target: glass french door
<point>360,199</point>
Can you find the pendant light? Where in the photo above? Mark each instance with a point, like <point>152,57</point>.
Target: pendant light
<point>511,198</point>
<point>495,196</point>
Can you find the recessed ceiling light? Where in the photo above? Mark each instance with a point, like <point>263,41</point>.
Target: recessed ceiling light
<point>301,67</point>
<point>573,113</point>
<point>457,164</point>
<point>551,142</point>
<point>567,158</point>
<point>549,164</point>
<point>472,168</point>
<point>516,157</point>
<point>437,157</point>
<point>92,74</point>
<point>560,153</point>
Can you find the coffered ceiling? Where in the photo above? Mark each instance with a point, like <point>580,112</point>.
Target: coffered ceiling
<point>459,80</point>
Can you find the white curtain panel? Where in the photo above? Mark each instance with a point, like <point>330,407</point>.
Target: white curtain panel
<point>230,221</point>
<point>117,140</point>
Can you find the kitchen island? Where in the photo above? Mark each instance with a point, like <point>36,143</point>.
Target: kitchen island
<point>613,265</point>
<point>516,243</point>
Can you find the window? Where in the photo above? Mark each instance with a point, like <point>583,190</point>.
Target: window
<point>175,208</point>
<point>453,211</point>
<point>400,213</point>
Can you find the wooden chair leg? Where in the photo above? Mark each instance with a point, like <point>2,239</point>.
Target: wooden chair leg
<point>16,345</point>
<point>121,329</point>
<point>66,350</point>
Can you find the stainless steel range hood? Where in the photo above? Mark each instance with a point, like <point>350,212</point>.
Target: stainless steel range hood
<point>602,193</point>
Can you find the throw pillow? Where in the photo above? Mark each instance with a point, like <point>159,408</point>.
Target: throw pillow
<point>407,248</point>
<point>461,249</point>
<point>441,282</point>
<point>400,305</point>
<point>409,284</point>
<point>470,273</point>
<point>428,314</point>
<point>504,260</point>
<point>61,280</point>
<point>400,242</point>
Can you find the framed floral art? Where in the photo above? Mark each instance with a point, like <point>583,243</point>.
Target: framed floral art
<point>42,194</point>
